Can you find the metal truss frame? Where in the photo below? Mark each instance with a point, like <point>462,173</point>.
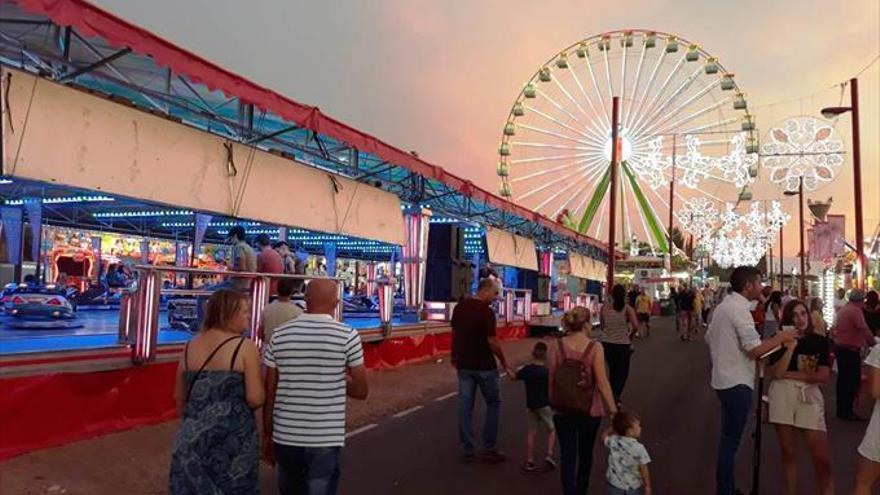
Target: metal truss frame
<point>61,54</point>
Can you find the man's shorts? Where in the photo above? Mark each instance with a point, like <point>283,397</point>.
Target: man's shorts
<point>542,415</point>
<point>645,317</point>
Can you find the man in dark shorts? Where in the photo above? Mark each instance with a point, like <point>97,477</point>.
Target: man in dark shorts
<point>686,312</point>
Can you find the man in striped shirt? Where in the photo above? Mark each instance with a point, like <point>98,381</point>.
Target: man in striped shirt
<point>306,383</point>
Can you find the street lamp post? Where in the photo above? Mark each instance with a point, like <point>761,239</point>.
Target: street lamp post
<point>802,289</point>
<point>830,112</point>
<point>781,261</point>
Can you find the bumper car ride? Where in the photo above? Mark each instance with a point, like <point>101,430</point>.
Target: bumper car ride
<point>183,313</point>
<point>38,301</point>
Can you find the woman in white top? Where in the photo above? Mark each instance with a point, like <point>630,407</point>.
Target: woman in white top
<point>869,462</point>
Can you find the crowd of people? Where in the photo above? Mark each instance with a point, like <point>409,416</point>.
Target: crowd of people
<point>798,360</point>
<point>311,363</point>
<point>572,384</point>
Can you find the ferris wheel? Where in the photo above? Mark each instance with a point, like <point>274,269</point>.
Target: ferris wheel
<point>681,115</point>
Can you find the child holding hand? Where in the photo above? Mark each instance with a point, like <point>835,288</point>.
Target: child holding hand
<point>536,377</point>
<point>627,458</point>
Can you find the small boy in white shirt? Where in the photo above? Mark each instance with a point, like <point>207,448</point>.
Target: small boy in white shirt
<point>627,458</point>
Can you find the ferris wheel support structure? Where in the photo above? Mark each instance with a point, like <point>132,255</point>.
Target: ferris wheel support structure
<point>612,204</point>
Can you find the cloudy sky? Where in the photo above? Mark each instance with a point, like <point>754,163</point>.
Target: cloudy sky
<point>439,77</point>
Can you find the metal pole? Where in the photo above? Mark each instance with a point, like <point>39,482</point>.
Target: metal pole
<point>803,277</point>
<point>18,269</point>
<point>756,459</point>
<point>781,261</point>
<point>671,202</point>
<point>612,204</point>
<point>38,272</point>
<point>857,182</point>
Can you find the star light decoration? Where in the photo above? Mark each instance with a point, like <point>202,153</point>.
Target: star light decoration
<point>742,239</point>
<point>802,147</point>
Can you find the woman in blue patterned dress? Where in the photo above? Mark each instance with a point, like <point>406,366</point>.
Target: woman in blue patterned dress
<point>218,388</point>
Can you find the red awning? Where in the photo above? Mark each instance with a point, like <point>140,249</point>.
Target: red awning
<point>93,21</point>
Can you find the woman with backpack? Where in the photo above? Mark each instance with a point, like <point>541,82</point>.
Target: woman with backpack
<point>578,387</point>
<point>619,324</point>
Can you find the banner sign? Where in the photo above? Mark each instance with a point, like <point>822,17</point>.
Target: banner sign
<point>827,239</point>
<point>145,251</point>
<point>330,256</point>
<point>11,217</point>
<point>34,207</point>
<point>202,222</point>
<point>181,254</point>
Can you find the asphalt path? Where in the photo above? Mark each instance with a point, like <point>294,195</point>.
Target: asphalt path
<point>416,450</point>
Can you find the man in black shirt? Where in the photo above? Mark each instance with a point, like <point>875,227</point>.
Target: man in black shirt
<point>686,312</point>
<point>632,295</point>
<point>474,349</point>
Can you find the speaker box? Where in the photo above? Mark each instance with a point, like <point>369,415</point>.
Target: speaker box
<point>445,242</point>
<point>447,280</point>
<point>462,279</point>
<point>528,279</point>
<point>543,294</point>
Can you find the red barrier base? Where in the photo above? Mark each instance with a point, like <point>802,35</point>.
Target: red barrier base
<point>515,331</point>
<point>38,412</point>
<point>399,351</point>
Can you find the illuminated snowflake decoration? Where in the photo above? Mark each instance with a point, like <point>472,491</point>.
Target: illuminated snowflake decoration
<point>698,216</point>
<point>737,165</point>
<point>736,250</point>
<point>803,147</point>
<point>742,239</point>
<point>652,168</point>
<point>696,166</point>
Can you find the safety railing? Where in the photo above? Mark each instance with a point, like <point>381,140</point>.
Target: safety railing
<point>589,301</point>
<point>139,310</point>
<point>516,305</point>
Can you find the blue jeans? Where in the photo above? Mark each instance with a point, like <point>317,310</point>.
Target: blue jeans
<point>307,470</point>
<point>488,382</point>
<point>613,490</point>
<point>736,402</point>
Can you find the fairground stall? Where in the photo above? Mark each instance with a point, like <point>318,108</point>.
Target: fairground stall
<point>127,153</point>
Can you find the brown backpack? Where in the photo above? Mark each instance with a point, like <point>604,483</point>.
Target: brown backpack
<point>573,383</point>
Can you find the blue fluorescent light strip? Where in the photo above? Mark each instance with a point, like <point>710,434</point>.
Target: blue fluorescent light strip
<point>154,213</point>
<point>64,200</point>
